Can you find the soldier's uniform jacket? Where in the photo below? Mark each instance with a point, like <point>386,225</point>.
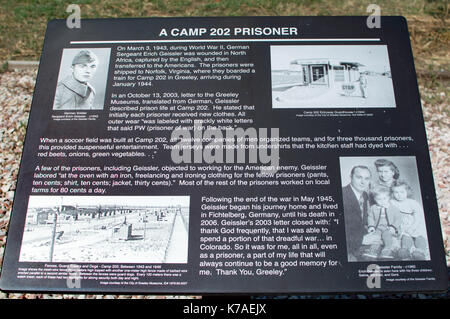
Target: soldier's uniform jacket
<point>73,95</point>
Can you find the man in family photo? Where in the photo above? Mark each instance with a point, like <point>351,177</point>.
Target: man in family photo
<point>356,201</point>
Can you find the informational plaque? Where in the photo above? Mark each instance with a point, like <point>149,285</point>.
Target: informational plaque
<point>248,155</point>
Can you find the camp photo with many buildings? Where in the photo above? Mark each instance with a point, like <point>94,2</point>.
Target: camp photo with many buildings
<point>331,76</point>
<point>116,229</point>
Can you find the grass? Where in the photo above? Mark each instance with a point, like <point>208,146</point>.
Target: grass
<point>24,21</point>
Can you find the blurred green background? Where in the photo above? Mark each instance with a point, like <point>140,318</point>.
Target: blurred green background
<point>24,21</point>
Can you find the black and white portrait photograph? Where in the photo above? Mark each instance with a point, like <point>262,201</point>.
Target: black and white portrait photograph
<point>383,210</point>
<point>106,229</point>
<point>331,76</point>
<point>82,79</point>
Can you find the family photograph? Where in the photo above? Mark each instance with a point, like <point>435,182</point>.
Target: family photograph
<point>383,211</point>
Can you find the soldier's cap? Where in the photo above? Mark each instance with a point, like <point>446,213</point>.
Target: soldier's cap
<point>84,56</point>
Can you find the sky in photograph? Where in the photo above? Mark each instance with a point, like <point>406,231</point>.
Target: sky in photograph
<point>374,57</point>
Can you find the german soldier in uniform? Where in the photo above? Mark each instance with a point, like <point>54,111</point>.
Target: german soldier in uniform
<point>74,92</point>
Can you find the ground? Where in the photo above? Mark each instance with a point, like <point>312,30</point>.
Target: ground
<point>95,240</point>
<point>379,93</point>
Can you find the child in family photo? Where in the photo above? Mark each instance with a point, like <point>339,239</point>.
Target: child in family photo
<point>412,229</point>
<point>383,221</point>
